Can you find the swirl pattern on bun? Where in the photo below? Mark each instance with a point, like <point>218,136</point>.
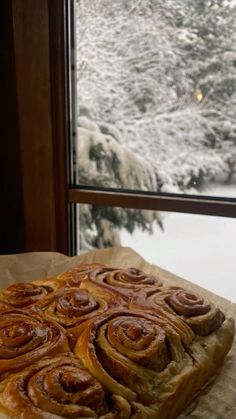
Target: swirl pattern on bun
<point>52,388</point>
<point>74,276</point>
<point>153,302</point>
<point>26,338</point>
<point>124,282</point>
<point>72,306</point>
<point>23,294</point>
<point>106,343</point>
<point>128,351</point>
<point>202,316</point>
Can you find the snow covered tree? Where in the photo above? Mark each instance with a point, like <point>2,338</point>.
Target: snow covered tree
<point>104,162</point>
<point>158,79</point>
<point>208,36</point>
<point>142,67</point>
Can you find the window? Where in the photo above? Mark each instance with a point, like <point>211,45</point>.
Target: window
<point>155,96</point>
<point>44,36</point>
<point>196,247</point>
<point>141,74</point>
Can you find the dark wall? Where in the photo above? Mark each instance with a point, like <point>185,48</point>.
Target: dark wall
<point>12,235</point>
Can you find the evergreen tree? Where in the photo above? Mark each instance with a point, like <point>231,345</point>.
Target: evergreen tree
<point>104,162</point>
<point>209,39</point>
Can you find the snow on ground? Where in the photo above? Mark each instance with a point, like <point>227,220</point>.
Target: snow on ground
<point>201,249</point>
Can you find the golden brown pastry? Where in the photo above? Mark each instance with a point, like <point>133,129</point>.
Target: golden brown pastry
<point>202,316</point>
<point>23,294</point>
<point>142,359</point>
<point>153,302</point>
<point>75,275</point>
<point>106,343</point>
<point>53,388</point>
<point>198,313</point>
<point>71,306</point>
<point>127,351</point>
<point>26,337</point>
<point>4,306</point>
<point>124,282</point>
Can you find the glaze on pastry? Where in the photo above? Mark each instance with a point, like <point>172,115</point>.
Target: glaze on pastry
<point>106,343</point>
<point>23,294</point>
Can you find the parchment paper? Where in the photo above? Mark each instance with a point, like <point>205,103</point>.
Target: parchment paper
<point>218,400</point>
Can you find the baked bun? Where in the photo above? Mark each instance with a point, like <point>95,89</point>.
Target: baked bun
<point>107,343</point>
<point>23,294</point>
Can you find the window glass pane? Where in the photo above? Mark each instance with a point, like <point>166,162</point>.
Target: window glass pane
<point>198,248</point>
<point>156,95</point>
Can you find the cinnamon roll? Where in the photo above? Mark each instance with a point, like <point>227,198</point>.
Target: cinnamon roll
<point>153,301</point>
<point>54,388</point>
<point>106,343</point>
<point>26,338</point>
<point>74,276</point>
<point>133,354</point>
<point>23,294</point>
<point>72,306</point>
<point>50,284</point>
<point>202,316</point>
<point>124,282</point>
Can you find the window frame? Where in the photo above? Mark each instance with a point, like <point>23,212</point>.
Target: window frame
<point>40,58</point>
<point>192,204</point>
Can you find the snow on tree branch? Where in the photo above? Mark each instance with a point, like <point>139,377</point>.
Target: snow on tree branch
<point>160,77</point>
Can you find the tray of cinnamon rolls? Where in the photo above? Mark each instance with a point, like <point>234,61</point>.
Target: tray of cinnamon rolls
<point>107,342</point>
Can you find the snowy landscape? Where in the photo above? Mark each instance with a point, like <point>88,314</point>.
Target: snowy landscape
<point>156,95</point>
<point>198,248</point>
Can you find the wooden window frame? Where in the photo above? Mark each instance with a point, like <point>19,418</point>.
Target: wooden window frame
<point>150,201</point>
<point>192,204</point>
<point>43,136</point>
<point>36,125</point>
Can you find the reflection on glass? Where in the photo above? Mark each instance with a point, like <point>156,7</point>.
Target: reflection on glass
<point>156,87</point>
<point>198,248</point>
